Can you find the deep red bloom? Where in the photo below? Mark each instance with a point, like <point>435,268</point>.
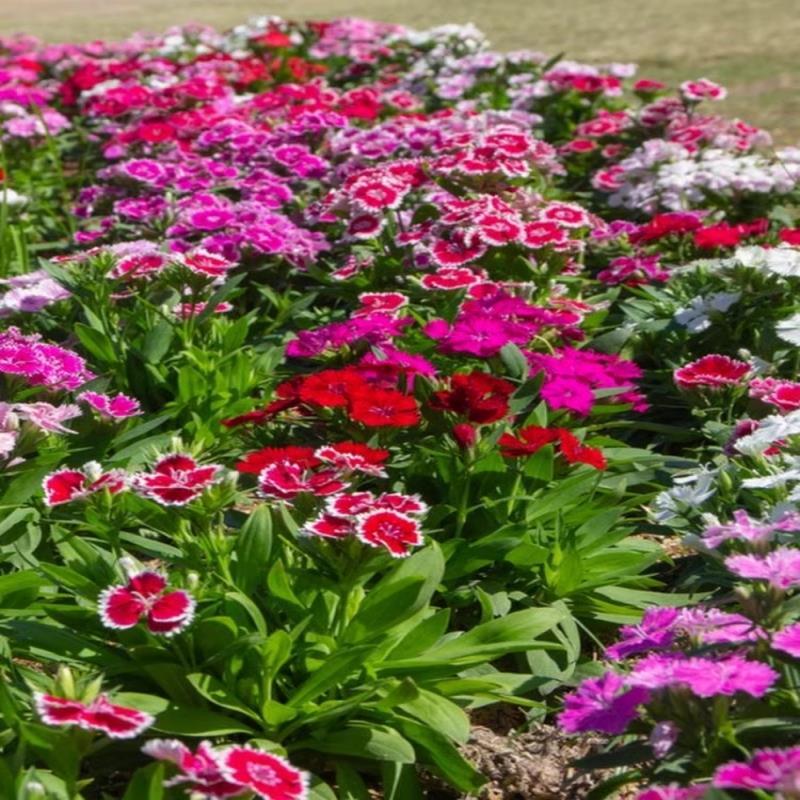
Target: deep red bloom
<point>721,235</point>
<point>254,462</point>
<point>479,397</point>
<point>269,776</point>
<point>395,531</point>
<point>713,371</point>
<point>790,236</point>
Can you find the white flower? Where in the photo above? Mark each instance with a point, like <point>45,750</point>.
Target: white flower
<point>696,316</point>
<point>783,260</point>
<point>789,329</point>
<point>770,430</point>
<point>775,480</point>
<point>11,198</point>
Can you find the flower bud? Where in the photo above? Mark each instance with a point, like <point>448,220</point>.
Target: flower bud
<point>465,435</point>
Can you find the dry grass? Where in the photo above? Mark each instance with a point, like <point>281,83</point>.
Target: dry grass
<point>747,44</point>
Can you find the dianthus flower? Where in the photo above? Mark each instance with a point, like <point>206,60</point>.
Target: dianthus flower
<point>602,704</point>
<point>713,371</point>
<point>780,568</point>
<point>772,770</point>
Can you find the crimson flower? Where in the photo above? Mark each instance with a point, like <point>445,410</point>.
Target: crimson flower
<point>479,397</point>
<point>713,371</point>
<point>176,479</point>
<point>144,597</point>
<point>66,485</point>
<point>102,716</point>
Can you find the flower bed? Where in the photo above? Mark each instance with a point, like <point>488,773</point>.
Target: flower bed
<point>356,379</point>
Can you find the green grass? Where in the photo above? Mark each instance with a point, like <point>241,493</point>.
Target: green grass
<point>746,44</point>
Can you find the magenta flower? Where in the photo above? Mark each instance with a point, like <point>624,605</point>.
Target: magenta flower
<point>672,792</point>
<point>781,567</point>
<point>602,704</point>
<point>770,769</point>
<point>713,626</point>
<point>656,631</point>
<point>568,394</point>
<point>704,677</point>
<point>788,640</point>
<point>119,406</point>
<point>66,485</point>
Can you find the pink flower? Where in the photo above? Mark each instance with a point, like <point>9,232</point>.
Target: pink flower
<point>704,677</point>
<point>144,597</point>
<point>118,722</point>
<point>745,529</point>
<point>383,302</point>
<point>201,770</point>
<point>211,265</point>
<point>119,406</point>
<point>713,371</point>
<point>450,279</point>
<point>602,704</point>
<point>781,567</point>
<point>176,479</point>
<point>713,626</point>
<point>395,531</point>
<point>788,640</point>
<point>269,776</point>
<point>569,394</point>
<point>47,417</point>
<point>768,769</point>
<point>656,631</point>
<point>66,485</point>
<point>703,89</point>
<point>42,364</point>
<point>286,479</point>
<point>187,310</point>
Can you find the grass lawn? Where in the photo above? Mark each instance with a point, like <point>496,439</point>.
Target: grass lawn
<point>745,44</point>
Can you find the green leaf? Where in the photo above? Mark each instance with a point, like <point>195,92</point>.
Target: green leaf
<point>364,741</point>
<point>217,693</point>
<point>399,595</point>
<point>252,550</point>
<point>349,783</point>
<point>96,343</point>
<point>157,341</point>
<point>332,673</point>
<point>184,721</point>
<point>147,784</point>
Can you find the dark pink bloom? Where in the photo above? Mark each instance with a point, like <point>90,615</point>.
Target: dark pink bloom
<point>144,596</point>
<point>787,640</point>
<point>656,631</point>
<point>772,770</point>
<point>781,567</point>
<point>119,406</point>
<point>672,792</point>
<point>118,722</point>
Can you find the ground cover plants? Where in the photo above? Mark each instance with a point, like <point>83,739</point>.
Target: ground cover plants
<point>358,381</point>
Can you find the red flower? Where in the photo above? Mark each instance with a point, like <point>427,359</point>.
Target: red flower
<point>66,485</point>
<point>176,480</point>
<point>397,532</point>
<point>479,397</point>
<point>381,408</point>
<point>465,435</point>
<point>790,236</point>
<point>269,776</point>
<point>665,224</point>
<point>576,453</point>
<point>721,235</point>
<point>118,722</point>
<point>527,442</point>
<point>332,388</point>
<point>254,462</point>
<point>205,263</point>
<point>122,607</point>
<point>450,279</point>
<point>712,370</point>
<point>354,457</point>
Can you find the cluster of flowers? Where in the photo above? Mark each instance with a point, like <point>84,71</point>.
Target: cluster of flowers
<point>674,666</point>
